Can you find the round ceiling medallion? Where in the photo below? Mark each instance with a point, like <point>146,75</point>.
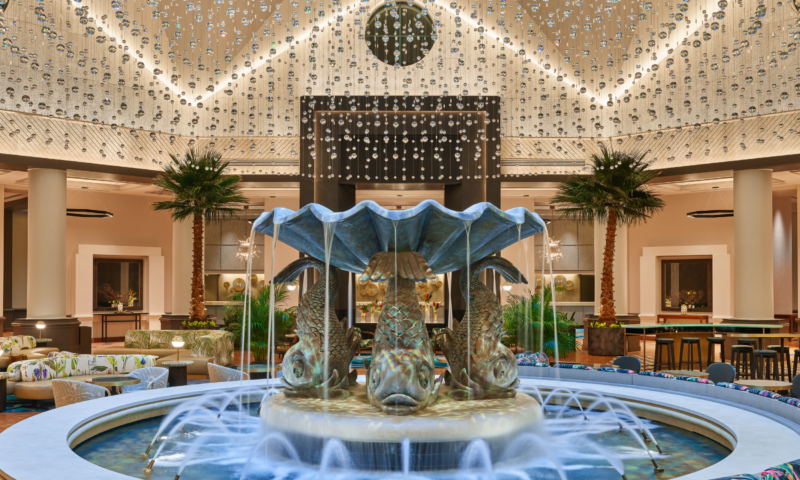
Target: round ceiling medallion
<point>400,34</point>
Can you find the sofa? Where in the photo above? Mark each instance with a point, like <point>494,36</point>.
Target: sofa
<point>200,346</point>
<point>27,346</point>
<point>32,379</point>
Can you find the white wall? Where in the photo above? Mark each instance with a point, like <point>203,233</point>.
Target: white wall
<point>782,254</point>
<point>19,260</point>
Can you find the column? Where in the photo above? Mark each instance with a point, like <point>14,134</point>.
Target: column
<point>782,254</point>
<point>47,261</point>
<point>752,240</point>
<point>620,267</point>
<point>182,238</point>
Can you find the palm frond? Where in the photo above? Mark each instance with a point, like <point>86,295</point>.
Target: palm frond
<point>200,187</point>
<point>524,325</point>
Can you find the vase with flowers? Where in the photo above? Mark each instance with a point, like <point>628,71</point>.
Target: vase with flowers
<point>426,297</point>
<point>364,310</point>
<point>131,298</point>
<point>435,306</point>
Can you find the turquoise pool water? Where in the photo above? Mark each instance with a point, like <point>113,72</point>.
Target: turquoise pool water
<point>121,449</point>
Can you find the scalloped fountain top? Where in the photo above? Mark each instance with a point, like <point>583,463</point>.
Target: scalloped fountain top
<point>436,232</point>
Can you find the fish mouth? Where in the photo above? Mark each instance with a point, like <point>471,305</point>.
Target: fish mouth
<point>399,400</point>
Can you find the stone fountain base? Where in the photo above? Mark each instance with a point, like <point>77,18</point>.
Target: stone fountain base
<point>438,435</point>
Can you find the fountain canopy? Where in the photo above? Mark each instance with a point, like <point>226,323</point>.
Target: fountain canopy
<point>435,232</point>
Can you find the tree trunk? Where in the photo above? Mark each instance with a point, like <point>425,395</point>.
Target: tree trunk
<point>198,308</point>
<point>607,313</point>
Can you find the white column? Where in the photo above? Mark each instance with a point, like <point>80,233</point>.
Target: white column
<point>620,267</point>
<point>181,266</point>
<point>782,254</point>
<point>47,243</point>
<point>752,243</point>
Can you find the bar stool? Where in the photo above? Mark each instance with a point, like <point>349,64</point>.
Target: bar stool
<point>690,342</point>
<point>742,359</point>
<point>764,360</point>
<point>783,354</point>
<point>753,342</point>
<point>712,342</point>
<point>669,345</point>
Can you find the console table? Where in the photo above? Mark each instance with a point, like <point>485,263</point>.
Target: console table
<point>106,318</point>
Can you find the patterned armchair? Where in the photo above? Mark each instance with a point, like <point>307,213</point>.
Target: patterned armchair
<point>150,379</point>
<point>366,343</point>
<point>217,374</point>
<point>65,366</point>
<point>24,342</point>
<point>67,392</point>
<point>202,343</point>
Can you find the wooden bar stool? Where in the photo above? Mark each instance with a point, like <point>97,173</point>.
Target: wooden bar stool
<point>783,355</point>
<point>690,342</point>
<point>669,345</point>
<point>712,342</point>
<point>742,360</point>
<point>764,360</point>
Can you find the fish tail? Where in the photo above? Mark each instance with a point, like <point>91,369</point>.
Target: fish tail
<point>290,273</point>
<point>505,268</point>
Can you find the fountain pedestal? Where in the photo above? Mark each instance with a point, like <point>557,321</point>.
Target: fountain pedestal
<point>438,435</point>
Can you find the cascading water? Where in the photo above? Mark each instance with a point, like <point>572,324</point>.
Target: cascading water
<point>345,437</point>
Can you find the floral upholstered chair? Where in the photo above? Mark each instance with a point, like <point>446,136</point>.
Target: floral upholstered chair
<point>217,374</point>
<point>67,392</point>
<point>150,379</point>
<point>366,343</point>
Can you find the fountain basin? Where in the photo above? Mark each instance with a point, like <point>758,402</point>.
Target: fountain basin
<point>438,435</point>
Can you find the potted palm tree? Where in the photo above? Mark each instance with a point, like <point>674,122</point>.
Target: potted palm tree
<point>201,191</point>
<point>615,192</point>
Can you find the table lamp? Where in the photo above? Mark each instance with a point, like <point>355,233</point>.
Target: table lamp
<point>40,325</point>
<point>177,342</point>
<point>507,287</point>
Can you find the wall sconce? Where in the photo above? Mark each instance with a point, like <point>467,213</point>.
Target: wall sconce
<point>40,325</point>
<point>178,342</point>
<point>507,287</point>
<point>292,286</point>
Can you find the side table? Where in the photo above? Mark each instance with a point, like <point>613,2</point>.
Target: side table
<point>177,376</point>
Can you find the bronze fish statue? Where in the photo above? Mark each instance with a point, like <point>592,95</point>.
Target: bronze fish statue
<point>480,365</point>
<point>304,363</point>
<point>401,375</point>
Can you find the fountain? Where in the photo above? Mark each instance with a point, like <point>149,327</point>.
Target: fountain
<point>400,248</point>
<point>403,418</point>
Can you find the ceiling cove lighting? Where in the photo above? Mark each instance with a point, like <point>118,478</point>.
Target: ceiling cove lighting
<point>86,213</point>
<point>710,214</point>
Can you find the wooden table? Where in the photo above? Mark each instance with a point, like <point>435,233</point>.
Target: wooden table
<point>666,317</point>
<point>679,330</point>
<point>110,382</point>
<point>771,385</point>
<point>104,321</point>
<point>686,373</point>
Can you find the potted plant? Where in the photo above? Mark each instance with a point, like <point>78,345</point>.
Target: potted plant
<point>201,192</point>
<point>614,192</point>
<point>605,340</point>
<point>198,325</point>
<point>259,320</point>
<point>525,331</point>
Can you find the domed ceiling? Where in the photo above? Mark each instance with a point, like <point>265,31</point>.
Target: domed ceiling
<point>127,82</point>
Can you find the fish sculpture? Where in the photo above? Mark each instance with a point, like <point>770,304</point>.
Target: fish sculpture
<point>304,363</point>
<point>401,375</point>
<point>481,366</point>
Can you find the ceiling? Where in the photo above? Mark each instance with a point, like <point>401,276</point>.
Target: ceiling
<point>126,83</point>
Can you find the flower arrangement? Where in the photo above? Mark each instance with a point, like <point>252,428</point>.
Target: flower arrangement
<point>691,297</point>
<point>377,306</point>
<point>426,297</point>
<point>435,306</point>
<point>603,325</point>
<point>364,308</point>
<point>117,300</point>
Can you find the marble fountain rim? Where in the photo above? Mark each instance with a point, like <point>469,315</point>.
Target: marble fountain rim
<point>68,426</point>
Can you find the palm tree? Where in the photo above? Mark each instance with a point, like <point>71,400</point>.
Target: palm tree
<point>200,191</point>
<point>614,192</point>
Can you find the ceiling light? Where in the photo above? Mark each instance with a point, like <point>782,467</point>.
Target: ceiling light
<point>710,180</point>
<point>94,180</point>
<point>710,214</point>
<point>86,213</point>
